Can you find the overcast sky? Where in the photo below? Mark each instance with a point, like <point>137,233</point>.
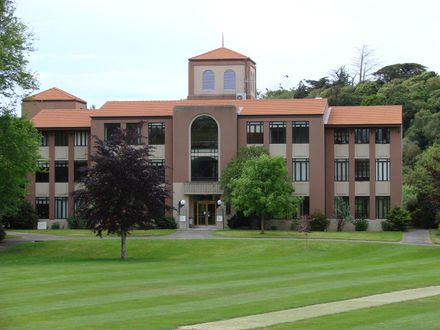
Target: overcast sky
<point>103,50</point>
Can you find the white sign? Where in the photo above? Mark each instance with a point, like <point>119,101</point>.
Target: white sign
<point>219,218</point>
<point>42,225</point>
<point>182,218</point>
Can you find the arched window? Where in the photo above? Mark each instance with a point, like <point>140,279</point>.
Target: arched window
<point>229,79</point>
<point>208,80</point>
<point>204,149</point>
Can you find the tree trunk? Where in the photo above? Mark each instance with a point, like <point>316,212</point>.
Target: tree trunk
<point>262,224</point>
<point>123,245</point>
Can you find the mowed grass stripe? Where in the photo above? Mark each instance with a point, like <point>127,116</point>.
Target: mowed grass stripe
<point>240,279</point>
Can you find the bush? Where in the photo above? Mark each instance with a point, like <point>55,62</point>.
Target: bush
<point>166,223</point>
<point>360,224</point>
<point>2,234</point>
<point>55,225</point>
<point>76,222</point>
<point>238,221</point>
<point>388,226</point>
<point>318,222</point>
<point>399,218</point>
<point>24,217</point>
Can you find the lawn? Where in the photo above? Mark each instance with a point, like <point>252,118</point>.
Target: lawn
<point>435,236</point>
<point>390,236</point>
<point>89,233</point>
<point>167,283</point>
<point>416,314</point>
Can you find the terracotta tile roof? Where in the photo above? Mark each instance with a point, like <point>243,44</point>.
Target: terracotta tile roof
<point>62,118</point>
<point>221,53</point>
<point>366,115</point>
<point>54,94</point>
<point>247,107</point>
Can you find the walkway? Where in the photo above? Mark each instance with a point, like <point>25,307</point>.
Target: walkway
<point>417,236</point>
<point>302,313</point>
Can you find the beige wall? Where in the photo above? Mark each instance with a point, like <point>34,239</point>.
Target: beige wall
<point>218,76</point>
<point>31,108</point>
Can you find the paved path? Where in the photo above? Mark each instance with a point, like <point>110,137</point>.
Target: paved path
<point>417,236</point>
<point>301,313</point>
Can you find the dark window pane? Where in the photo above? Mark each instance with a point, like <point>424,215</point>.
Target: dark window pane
<point>341,135</point>
<point>42,174</point>
<point>300,132</point>
<point>61,171</point>
<point>301,169</point>
<point>44,142</point>
<point>304,207</point>
<point>110,130</point>
<point>361,135</point>
<point>362,170</point>
<point>160,165</point>
<point>61,139</point>
<point>42,207</point>
<point>362,207</point>
<point>60,207</point>
<point>382,135</point>
<point>277,132</point>
<point>135,133</point>
<point>156,133</point>
<point>79,169</point>
<point>254,132</point>
<point>382,207</point>
<point>341,169</point>
<point>204,149</point>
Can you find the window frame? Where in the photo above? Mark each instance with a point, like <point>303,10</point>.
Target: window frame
<point>137,135</point>
<point>362,207</point>
<point>382,206</point>
<point>61,207</point>
<point>156,139</point>
<point>42,176</point>
<point>229,80</point>
<point>208,80</point>
<point>81,138</point>
<point>44,141</point>
<point>341,136</point>
<point>61,139</point>
<point>302,166</point>
<point>38,209</point>
<point>361,135</point>
<point>110,130</point>
<point>277,132</point>
<point>383,169</point>
<point>341,170</point>
<point>362,169</point>
<point>382,137</point>
<point>252,134</point>
<point>61,171</point>
<point>300,132</point>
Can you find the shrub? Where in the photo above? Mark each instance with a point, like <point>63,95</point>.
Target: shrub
<point>273,227</point>
<point>388,226</point>
<point>55,225</point>
<point>76,222</point>
<point>238,220</point>
<point>24,217</point>
<point>399,218</point>
<point>166,223</point>
<point>360,224</point>
<point>318,222</point>
<point>2,234</point>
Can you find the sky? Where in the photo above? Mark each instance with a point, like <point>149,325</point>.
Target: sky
<point>102,50</point>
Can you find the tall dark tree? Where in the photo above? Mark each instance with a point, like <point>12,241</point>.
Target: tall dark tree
<point>123,188</point>
<point>399,71</point>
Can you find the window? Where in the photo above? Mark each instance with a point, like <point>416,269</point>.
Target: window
<point>42,174</point>
<point>341,135</point>
<point>304,206</point>
<point>61,139</point>
<point>229,79</point>
<point>156,133</point>
<point>382,135</point>
<point>382,207</point>
<point>300,132</point>
<point>60,207</point>
<point>204,149</point>
<point>277,130</point>
<point>110,130</point>
<point>341,169</point>
<point>61,171</point>
<point>362,170</point>
<point>79,168</point>
<point>383,172</point>
<point>361,135</point>
<point>44,142</point>
<point>135,132</point>
<point>42,207</point>
<point>362,207</point>
<point>160,165</point>
<point>341,203</point>
<point>208,80</point>
<point>301,169</point>
<point>254,132</point>
<point>81,138</point>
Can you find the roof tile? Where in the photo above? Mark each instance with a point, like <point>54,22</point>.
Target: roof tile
<point>54,94</point>
<point>221,53</point>
<point>62,118</point>
<point>366,115</point>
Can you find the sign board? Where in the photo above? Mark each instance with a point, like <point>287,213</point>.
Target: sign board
<point>219,218</point>
<point>182,218</point>
<point>42,225</point>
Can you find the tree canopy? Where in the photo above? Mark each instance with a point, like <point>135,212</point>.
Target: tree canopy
<point>122,188</point>
<point>264,189</point>
<point>399,71</point>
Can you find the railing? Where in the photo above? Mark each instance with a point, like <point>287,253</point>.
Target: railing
<point>202,188</point>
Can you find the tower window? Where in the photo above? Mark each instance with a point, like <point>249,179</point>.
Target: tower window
<point>229,79</point>
<point>208,80</point>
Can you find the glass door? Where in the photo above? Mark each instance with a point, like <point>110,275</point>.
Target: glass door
<point>205,213</point>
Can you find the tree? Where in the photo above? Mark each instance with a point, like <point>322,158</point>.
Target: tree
<point>341,212</point>
<point>264,189</point>
<point>19,151</point>
<point>364,63</point>
<point>235,167</point>
<point>399,71</point>
<point>15,44</point>
<point>122,188</point>
<point>24,217</point>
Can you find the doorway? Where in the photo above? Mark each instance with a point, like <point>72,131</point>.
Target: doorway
<point>205,213</point>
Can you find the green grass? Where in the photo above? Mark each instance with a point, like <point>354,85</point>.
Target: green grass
<point>435,236</point>
<point>390,236</point>
<point>415,314</point>
<point>167,283</point>
<point>89,233</point>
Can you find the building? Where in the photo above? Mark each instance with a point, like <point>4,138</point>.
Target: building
<point>350,151</point>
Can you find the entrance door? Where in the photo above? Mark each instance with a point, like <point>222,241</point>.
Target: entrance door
<point>205,213</point>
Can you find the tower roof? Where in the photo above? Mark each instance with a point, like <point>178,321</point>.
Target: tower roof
<point>221,53</point>
<point>54,94</point>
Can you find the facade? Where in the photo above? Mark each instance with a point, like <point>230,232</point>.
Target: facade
<point>350,151</point>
